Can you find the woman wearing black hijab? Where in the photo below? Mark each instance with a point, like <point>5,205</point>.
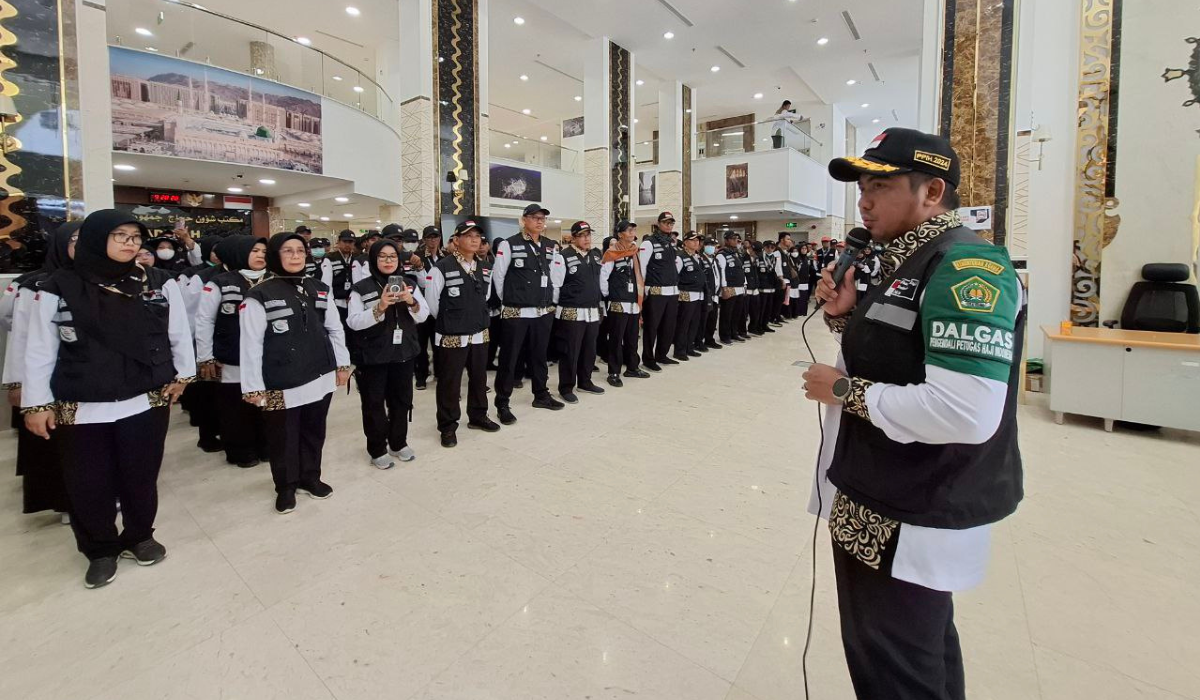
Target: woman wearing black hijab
<point>38,463</point>
<point>218,346</point>
<point>384,321</point>
<point>109,351</point>
<point>292,356</point>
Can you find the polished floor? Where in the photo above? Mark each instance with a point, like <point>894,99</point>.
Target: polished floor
<point>648,543</point>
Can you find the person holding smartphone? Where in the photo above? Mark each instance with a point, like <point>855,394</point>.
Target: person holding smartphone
<point>459,287</point>
<point>384,313</point>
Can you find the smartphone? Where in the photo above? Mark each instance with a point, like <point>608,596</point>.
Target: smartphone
<point>802,363</point>
<point>396,284</point>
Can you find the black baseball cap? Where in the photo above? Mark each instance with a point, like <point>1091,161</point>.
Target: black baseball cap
<point>691,236</point>
<point>303,229</point>
<point>467,225</point>
<point>730,233</point>
<point>409,235</point>
<point>535,209</point>
<point>319,243</point>
<point>897,151</point>
<point>392,231</point>
<point>666,216</point>
<point>580,227</point>
<point>624,225</point>
<point>431,232</point>
<point>347,235</point>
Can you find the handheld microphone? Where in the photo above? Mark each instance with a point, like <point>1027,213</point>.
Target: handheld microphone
<point>856,240</point>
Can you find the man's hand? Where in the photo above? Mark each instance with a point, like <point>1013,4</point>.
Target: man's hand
<point>254,400</point>
<point>818,383</point>
<point>415,261</point>
<point>173,391</point>
<point>838,300</point>
<point>14,397</point>
<point>343,377</point>
<point>40,423</point>
<point>210,370</point>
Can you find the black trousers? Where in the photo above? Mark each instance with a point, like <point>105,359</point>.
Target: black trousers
<point>602,335</point>
<point>295,438</point>
<point>777,305</point>
<point>386,394</point>
<point>241,426</point>
<point>425,331</point>
<point>203,410</point>
<point>576,342</point>
<point>728,318</point>
<point>899,638</point>
<point>529,337</point>
<point>622,342</point>
<point>686,326</point>
<point>658,325</point>
<point>451,363</point>
<point>758,311</point>
<point>711,322</point>
<point>106,461</point>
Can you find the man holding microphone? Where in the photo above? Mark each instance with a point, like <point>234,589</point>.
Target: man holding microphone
<point>921,453</point>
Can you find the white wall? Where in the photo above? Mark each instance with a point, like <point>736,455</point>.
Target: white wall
<point>95,107</point>
<point>836,148</point>
<point>778,179</point>
<point>361,149</point>
<point>562,194</point>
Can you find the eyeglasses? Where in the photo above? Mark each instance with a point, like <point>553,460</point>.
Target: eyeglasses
<point>126,239</point>
<point>388,258</point>
<point>299,252</point>
<point>539,219</point>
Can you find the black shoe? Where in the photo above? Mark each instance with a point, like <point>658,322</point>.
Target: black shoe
<point>615,380</point>
<point>421,385</point>
<point>210,446</point>
<point>493,368</point>
<point>319,490</point>
<point>777,324</point>
<point>652,366</point>
<point>740,339</point>
<point>519,385</point>
<point>637,374</point>
<point>667,361</point>
<point>549,402</point>
<point>101,572</point>
<point>146,553</point>
<point>756,333</point>
<point>680,358</point>
<point>506,416</point>
<point>250,464</point>
<point>449,439</point>
<point>768,330</point>
<point>285,502</point>
<point>724,342</point>
<point>591,388</point>
<point>569,397</point>
<point>485,424</point>
<point>695,353</point>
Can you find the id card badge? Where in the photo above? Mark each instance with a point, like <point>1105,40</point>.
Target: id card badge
<point>347,286</point>
<point>397,336</point>
<point>545,281</point>
<point>630,288</point>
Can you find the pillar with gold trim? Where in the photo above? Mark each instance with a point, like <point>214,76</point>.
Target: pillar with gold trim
<point>608,187</point>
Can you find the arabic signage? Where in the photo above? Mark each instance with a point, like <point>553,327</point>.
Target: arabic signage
<point>199,221</point>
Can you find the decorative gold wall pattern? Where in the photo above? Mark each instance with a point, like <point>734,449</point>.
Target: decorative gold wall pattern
<point>9,193</point>
<point>688,224</point>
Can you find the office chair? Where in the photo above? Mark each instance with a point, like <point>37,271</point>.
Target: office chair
<point>1163,302</point>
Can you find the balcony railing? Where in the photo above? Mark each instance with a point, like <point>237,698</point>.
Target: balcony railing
<point>533,152</point>
<point>192,32</point>
<point>748,138</point>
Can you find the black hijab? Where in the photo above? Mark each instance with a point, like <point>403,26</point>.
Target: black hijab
<point>234,251</point>
<point>56,255</point>
<point>105,296</point>
<point>275,260</point>
<point>207,244</point>
<point>376,249</point>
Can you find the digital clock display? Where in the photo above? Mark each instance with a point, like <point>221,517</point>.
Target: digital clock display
<point>166,198</point>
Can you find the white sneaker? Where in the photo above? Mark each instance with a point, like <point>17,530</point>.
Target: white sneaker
<point>382,462</point>
<point>405,454</point>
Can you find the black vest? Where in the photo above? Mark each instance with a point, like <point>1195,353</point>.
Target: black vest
<point>710,275</point>
<point>953,486</point>
<point>296,346</point>
<point>790,273</point>
<point>804,269</point>
<point>767,280</point>
<point>527,280</point>
<point>487,266</point>
<point>660,271</point>
<point>376,345</point>
<point>691,276</point>
<point>824,257</point>
<point>735,274</point>
<point>312,268</point>
<point>750,270</point>
<point>88,371</point>
<point>622,282</point>
<point>342,275</point>
<point>581,286</point>
<point>227,331</point>
<point>462,307</point>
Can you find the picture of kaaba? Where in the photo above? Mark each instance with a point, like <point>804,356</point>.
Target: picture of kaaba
<point>507,182</point>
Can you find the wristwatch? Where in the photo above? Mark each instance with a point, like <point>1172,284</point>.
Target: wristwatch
<point>841,389</point>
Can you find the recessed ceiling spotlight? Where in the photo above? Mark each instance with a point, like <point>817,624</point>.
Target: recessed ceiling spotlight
<point>304,40</point>
<point>348,216</point>
<point>122,166</point>
<point>544,138</point>
<point>733,217</point>
<point>558,221</point>
<point>715,69</point>
<point>341,200</point>
<point>579,98</point>
<point>865,105</point>
<point>508,145</point>
<point>235,190</point>
<point>266,181</point>
<point>640,83</point>
<point>358,88</point>
<point>353,11</point>
<point>143,31</point>
<point>645,143</point>
<point>852,81</point>
<point>527,111</point>
<point>338,78</point>
<point>518,20</point>
<point>822,41</point>
<point>303,205</point>
<point>524,77</point>
<point>324,218</point>
<point>668,35</point>
<point>151,48</point>
<point>758,95</point>
<point>874,121</point>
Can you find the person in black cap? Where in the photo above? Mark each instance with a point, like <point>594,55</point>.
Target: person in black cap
<point>691,298</point>
<point>459,286</point>
<point>733,289</point>
<point>341,262</point>
<point>522,276</point>
<point>785,267</point>
<point>660,266</point>
<point>621,286</point>
<point>108,351</point>
<point>576,279</point>
<point>932,367</point>
<point>317,265</point>
<point>430,253</point>
<point>706,338</point>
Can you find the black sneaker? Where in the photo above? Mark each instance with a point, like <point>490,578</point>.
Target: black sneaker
<point>101,572</point>
<point>681,358</point>
<point>740,339</point>
<point>615,380</point>
<point>146,553</point>
<point>549,403</point>
<point>485,424</point>
<point>591,388</point>
<point>768,330</point>
<point>637,374</point>
<point>320,490</point>
<point>652,366</point>
<point>569,397</point>
<point>695,353</point>
<point>210,446</point>
<point>249,465</point>
<point>506,416</point>
<point>285,502</point>
<point>449,439</point>
<point>421,385</point>
<point>667,361</point>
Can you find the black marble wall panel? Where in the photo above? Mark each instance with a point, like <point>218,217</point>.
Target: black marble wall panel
<point>687,156</point>
<point>456,108</point>
<point>620,119</point>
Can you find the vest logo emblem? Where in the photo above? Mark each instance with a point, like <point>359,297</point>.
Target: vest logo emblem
<point>974,295</point>
<point>67,334</point>
<point>979,264</point>
<point>518,263</point>
<point>452,291</point>
<point>904,289</point>
<point>938,161</point>
<point>229,308</point>
<point>280,326</point>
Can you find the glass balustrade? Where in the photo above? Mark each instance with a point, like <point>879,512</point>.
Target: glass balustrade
<point>749,138</point>
<point>534,152</point>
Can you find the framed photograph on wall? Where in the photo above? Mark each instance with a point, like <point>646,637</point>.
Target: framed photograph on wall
<point>521,184</point>
<point>647,186</point>
<point>572,127</point>
<point>737,181</point>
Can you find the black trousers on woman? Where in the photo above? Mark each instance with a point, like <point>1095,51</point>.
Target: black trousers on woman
<point>103,462</point>
<point>899,638</point>
<point>622,341</point>
<point>203,411</point>
<point>451,364</point>
<point>241,426</point>
<point>40,467</point>
<point>386,393</point>
<point>295,438</point>
<point>686,327</point>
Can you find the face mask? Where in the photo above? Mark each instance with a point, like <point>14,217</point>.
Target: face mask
<point>408,247</point>
<point>165,254</point>
<point>253,274</point>
<point>710,249</point>
<point>318,253</point>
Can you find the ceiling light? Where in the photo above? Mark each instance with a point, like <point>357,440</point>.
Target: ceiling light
<point>733,217</point>
<point>635,121</point>
<point>640,83</point>
<point>516,142</point>
<point>379,221</point>
<point>266,182</point>
<point>151,48</point>
<point>299,221</point>
<point>304,40</point>
<point>337,78</point>
<point>527,111</point>
<point>645,143</point>
<point>341,200</point>
<point>353,11</point>
<point>508,145</point>
<point>558,221</point>
<point>348,216</point>
<point>324,218</point>
<point>358,88</point>
<point>822,41</point>
<point>852,81</point>
<point>303,205</point>
<point>524,77</point>
<point>122,166</point>
<point>544,138</point>
<point>758,95</point>
<point>143,31</point>
<point>518,20</point>
<point>715,69</point>
<point>669,35</point>
<point>234,190</point>
<point>579,98</point>
<point>874,121</point>
<point>865,105</point>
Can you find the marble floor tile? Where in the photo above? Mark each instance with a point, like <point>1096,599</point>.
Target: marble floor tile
<point>1065,677</point>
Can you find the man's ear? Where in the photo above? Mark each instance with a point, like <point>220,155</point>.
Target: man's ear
<point>935,189</point>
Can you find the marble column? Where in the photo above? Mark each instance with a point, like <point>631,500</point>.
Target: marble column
<point>671,153</point>
<point>276,221</point>
<point>607,138</point>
